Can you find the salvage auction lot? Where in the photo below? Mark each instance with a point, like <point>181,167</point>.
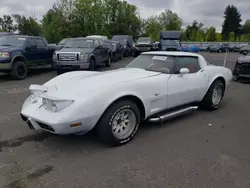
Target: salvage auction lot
<point>203,149</point>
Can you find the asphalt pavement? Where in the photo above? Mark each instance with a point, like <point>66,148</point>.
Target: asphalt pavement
<point>199,150</point>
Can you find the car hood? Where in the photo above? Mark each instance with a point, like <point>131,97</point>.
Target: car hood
<point>9,48</point>
<point>87,82</point>
<point>83,50</point>
<point>244,59</point>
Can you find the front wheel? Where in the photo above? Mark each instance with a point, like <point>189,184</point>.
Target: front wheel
<point>214,96</point>
<point>19,70</point>
<point>119,123</point>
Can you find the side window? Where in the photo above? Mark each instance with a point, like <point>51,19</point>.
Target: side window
<point>186,62</point>
<point>97,43</point>
<point>31,42</point>
<point>101,43</point>
<point>40,42</point>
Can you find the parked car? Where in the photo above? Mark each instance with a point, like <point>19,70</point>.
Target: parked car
<point>6,33</point>
<point>231,47</point>
<point>203,47</point>
<point>82,53</point>
<point>242,67</point>
<point>155,86</point>
<point>117,50</point>
<point>217,48</point>
<point>127,41</point>
<point>143,44</point>
<point>18,53</point>
<point>190,48</point>
<point>62,43</point>
<point>238,47</point>
<point>155,46</point>
<point>245,49</point>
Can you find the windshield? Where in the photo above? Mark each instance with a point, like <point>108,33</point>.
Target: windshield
<point>144,39</point>
<point>12,41</point>
<point>170,42</point>
<point>80,43</point>
<point>156,63</point>
<point>120,39</point>
<point>63,41</point>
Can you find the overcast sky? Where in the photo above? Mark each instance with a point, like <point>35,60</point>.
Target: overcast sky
<point>209,12</point>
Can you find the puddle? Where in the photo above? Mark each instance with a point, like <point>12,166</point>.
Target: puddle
<point>22,183</point>
<point>19,141</point>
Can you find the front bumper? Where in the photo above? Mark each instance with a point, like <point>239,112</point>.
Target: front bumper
<point>242,70</point>
<point>71,65</point>
<point>62,122</point>
<point>5,65</point>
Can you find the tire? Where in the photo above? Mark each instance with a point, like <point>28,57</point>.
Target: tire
<point>19,70</point>
<point>122,55</point>
<point>92,66</point>
<point>104,128</point>
<point>108,62</point>
<point>207,102</point>
<point>235,75</point>
<point>59,72</point>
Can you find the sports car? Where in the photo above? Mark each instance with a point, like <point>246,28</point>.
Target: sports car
<point>154,87</point>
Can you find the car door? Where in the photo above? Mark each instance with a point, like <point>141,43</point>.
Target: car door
<point>186,88</point>
<point>104,51</point>
<point>42,51</point>
<point>30,52</point>
<point>97,52</point>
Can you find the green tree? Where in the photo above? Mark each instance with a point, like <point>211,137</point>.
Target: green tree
<point>6,24</point>
<point>57,22</point>
<point>192,30</point>
<point>198,36</point>
<point>170,20</point>
<point>232,22</point>
<point>246,27</point>
<point>27,26</point>
<point>211,34</point>
<point>154,27</point>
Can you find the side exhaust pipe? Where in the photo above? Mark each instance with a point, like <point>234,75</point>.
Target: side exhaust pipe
<point>173,114</point>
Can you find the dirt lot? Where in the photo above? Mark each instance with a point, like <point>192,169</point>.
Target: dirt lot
<point>203,149</point>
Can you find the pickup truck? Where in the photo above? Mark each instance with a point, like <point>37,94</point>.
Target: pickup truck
<point>82,53</point>
<point>19,53</point>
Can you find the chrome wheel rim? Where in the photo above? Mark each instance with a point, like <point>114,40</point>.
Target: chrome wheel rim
<point>217,95</point>
<point>123,124</point>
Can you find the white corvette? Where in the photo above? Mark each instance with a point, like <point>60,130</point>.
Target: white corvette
<point>155,86</point>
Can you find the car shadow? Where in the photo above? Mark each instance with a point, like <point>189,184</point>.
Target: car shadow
<point>32,72</point>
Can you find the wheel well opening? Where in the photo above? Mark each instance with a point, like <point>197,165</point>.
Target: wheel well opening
<point>137,101</point>
<point>222,79</point>
<point>19,58</point>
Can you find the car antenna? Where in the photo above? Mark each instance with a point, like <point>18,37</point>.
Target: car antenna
<point>225,59</point>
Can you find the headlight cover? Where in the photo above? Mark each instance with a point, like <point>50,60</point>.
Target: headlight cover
<point>84,57</point>
<point>56,105</point>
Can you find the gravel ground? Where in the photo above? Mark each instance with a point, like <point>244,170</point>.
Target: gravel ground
<point>200,150</point>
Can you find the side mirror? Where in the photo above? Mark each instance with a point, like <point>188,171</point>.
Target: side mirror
<point>184,71</point>
<point>245,53</point>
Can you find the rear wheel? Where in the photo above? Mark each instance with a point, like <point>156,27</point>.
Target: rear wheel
<point>108,62</point>
<point>214,96</point>
<point>119,123</point>
<point>19,70</point>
